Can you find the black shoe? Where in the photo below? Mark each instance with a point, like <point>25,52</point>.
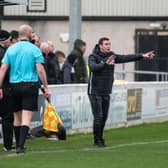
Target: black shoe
<point>100,144</point>
<point>9,149</point>
<point>30,136</point>
<point>20,150</point>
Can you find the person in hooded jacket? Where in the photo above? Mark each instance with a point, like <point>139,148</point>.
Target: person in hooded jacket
<point>6,104</point>
<point>102,63</point>
<point>74,69</point>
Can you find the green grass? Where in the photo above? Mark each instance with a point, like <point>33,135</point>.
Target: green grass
<point>144,146</point>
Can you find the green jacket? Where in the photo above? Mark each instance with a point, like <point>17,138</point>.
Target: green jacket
<point>76,59</point>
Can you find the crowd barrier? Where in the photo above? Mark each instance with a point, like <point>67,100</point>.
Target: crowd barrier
<point>130,103</point>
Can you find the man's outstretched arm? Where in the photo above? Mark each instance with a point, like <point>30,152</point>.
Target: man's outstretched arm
<point>133,57</point>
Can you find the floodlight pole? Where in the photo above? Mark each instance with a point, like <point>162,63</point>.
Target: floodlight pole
<point>75,21</point>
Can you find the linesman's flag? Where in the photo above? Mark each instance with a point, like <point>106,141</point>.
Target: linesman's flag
<point>51,120</point>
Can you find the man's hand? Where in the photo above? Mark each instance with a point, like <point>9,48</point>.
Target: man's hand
<point>111,60</point>
<point>45,93</point>
<point>1,94</point>
<point>149,55</point>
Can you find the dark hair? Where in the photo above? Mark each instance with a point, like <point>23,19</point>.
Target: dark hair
<point>78,43</point>
<point>59,53</point>
<point>103,39</point>
<point>14,34</point>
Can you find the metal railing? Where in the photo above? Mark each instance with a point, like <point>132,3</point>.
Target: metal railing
<point>160,76</point>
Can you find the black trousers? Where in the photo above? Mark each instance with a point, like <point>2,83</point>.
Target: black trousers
<point>7,128</point>
<point>6,112</point>
<point>100,107</point>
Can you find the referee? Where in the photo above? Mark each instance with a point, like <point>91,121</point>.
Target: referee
<point>24,61</point>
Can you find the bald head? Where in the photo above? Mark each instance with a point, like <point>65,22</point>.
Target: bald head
<point>51,46</point>
<point>25,32</point>
<point>44,48</point>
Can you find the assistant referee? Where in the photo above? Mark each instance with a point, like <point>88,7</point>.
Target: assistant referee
<point>24,61</point>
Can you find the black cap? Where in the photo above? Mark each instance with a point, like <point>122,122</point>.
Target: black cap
<point>4,35</point>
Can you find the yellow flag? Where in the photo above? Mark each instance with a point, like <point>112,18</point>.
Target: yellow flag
<point>51,119</point>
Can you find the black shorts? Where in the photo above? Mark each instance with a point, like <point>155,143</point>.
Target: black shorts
<point>25,95</point>
<point>6,103</point>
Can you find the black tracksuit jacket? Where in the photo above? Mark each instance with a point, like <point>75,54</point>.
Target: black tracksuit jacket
<point>102,75</point>
<point>6,80</point>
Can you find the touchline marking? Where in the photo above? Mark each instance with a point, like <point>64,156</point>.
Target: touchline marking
<point>86,149</point>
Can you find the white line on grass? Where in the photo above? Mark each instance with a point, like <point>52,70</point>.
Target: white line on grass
<point>87,149</point>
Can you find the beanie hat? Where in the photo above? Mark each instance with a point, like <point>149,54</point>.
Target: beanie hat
<point>4,35</point>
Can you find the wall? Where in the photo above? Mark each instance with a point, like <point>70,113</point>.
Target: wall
<point>120,33</point>
<point>101,8</point>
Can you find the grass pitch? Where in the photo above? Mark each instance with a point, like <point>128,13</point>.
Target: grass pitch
<point>144,146</point>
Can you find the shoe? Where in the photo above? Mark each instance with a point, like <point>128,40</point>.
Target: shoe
<point>9,149</point>
<point>30,136</point>
<point>20,150</point>
<point>100,144</point>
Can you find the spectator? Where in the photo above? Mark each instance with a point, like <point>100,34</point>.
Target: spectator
<point>14,36</point>
<point>60,58</point>
<point>6,104</point>
<point>52,65</point>
<point>36,40</point>
<point>101,63</point>
<point>74,69</point>
<point>44,49</point>
<point>51,46</point>
<point>24,61</point>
